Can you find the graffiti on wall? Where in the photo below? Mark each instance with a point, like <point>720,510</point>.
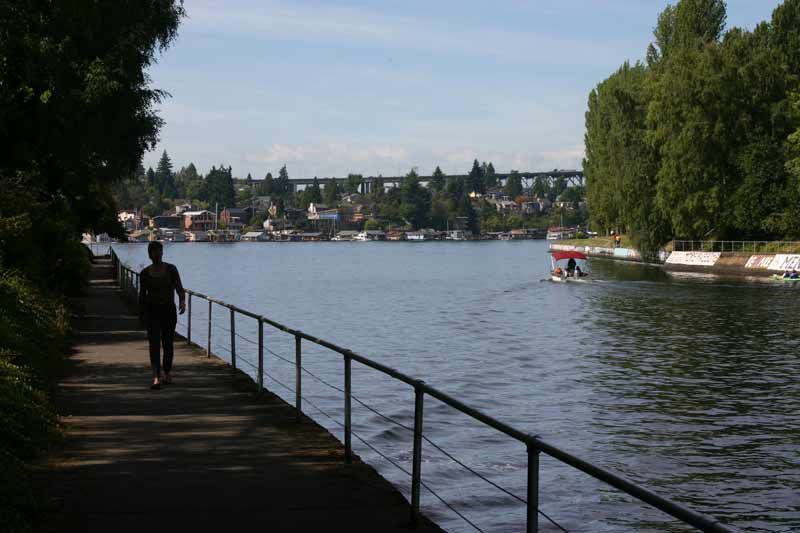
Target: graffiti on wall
<point>759,261</point>
<point>693,258</point>
<point>785,262</point>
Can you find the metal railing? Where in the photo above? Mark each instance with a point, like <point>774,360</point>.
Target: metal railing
<point>792,247</point>
<point>534,445</point>
<point>99,248</point>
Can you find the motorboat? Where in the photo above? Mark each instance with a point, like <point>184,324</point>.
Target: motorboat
<point>568,266</point>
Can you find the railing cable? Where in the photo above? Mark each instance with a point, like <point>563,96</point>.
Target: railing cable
<point>391,461</point>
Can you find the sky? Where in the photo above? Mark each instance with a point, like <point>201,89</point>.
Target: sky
<point>332,87</point>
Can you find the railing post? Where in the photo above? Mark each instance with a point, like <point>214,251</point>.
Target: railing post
<point>298,379</point>
<point>348,427</point>
<point>416,471</point>
<point>233,337</point>
<point>208,346</point>
<point>189,322</point>
<point>260,355</point>
<point>533,489</point>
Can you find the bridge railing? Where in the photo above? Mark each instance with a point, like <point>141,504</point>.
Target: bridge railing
<point>752,247</point>
<point>129,281</point>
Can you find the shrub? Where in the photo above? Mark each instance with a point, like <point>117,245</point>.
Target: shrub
<point>33,334</point>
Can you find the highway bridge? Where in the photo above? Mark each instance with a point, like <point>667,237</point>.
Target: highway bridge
<point>573,177</point>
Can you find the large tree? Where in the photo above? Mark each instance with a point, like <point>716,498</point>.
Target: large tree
<point>165,179</point>
<point>77,112</point>
<point>219,188</point>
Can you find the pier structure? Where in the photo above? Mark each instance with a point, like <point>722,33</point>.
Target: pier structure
<point>573,177</point>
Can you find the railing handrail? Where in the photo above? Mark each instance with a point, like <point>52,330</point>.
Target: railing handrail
<point>743,246</point>
<point>643,494</point>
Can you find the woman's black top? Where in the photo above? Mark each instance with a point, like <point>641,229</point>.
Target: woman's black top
<point>156,287</point>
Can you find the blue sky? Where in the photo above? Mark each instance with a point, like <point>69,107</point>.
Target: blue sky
<point>329,87</point>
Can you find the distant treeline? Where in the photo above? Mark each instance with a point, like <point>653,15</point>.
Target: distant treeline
<point>703,139</point>
<point>447,201</point>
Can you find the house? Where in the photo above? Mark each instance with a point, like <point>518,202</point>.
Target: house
<point>166,222</point>
<point>254,236</point>
<point>199,220</point>
<point>531,208</point>
<point>182,208</point>
<point>504,206</point>
<point>233,218</point>
<point>351,198</point>
<point>314,211</point>
<point>458,235</point>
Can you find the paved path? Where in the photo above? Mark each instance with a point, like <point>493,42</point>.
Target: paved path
<point>203,454</point>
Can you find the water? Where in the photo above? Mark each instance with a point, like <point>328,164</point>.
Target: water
<point>687,384</point>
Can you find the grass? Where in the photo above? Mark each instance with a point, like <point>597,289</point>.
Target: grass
<point>599,242</point>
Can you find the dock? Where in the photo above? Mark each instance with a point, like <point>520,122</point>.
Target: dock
<point>203,454</point>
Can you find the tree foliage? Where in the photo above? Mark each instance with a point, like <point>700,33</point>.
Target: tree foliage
<point>697,142</point>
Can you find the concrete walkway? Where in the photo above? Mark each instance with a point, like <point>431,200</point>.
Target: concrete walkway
<point>203,454</point>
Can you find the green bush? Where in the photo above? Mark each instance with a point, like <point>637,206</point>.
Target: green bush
<point>33,335</point>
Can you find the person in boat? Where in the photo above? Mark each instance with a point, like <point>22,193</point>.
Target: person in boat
<point>571,264</point>
<point>578,272</point>
<point>558,271</point>
<point>159,283</point>
<point>794,274</point>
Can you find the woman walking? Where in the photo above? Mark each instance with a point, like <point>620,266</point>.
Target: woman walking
<point>158,282</point>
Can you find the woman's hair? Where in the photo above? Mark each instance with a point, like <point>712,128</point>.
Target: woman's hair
<point>154,245</point>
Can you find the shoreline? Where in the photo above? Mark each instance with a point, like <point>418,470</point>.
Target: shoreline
<point>730,264</point>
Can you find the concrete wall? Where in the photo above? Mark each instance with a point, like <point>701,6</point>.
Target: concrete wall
<point>711,262</point>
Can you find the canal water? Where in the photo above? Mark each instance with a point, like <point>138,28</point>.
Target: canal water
<point>687,384</point>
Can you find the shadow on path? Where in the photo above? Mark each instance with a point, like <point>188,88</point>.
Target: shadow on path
<point>203,454</point>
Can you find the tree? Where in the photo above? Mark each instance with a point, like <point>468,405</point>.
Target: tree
<point>150,177</point>
<point>475,181</point>
<point>219,184</point>
<point>415,201</point>
<point>186,175</point>
<point>164,178</point>
<point>268,186</point>
<point>540,188</point>
<point>332,193</point>
<point>313,194</point>
<point>437,180</point>
<point>353,183</point>
<point>490,178</point>
<point>513,186</point>
<point>282,185</point>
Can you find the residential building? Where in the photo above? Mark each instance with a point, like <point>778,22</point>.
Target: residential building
<point>199,220</point>
<point>233,218</point>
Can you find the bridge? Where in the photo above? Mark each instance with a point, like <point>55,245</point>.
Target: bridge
<point>573,177</point>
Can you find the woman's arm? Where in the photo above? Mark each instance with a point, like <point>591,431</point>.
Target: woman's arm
<point>179,289</point>
<point>142,294</point>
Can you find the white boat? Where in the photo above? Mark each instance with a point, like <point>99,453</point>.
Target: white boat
<point>571,271</point>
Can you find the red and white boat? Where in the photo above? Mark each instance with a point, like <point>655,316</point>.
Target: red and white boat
<point>568,266</point>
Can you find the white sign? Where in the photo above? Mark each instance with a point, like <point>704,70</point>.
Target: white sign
<point>785,262</point>
<point>693,258</point>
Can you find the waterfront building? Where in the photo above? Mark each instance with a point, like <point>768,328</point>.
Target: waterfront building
<point>233,218</point>
<point>255,236</point>
<point>199,220</point>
